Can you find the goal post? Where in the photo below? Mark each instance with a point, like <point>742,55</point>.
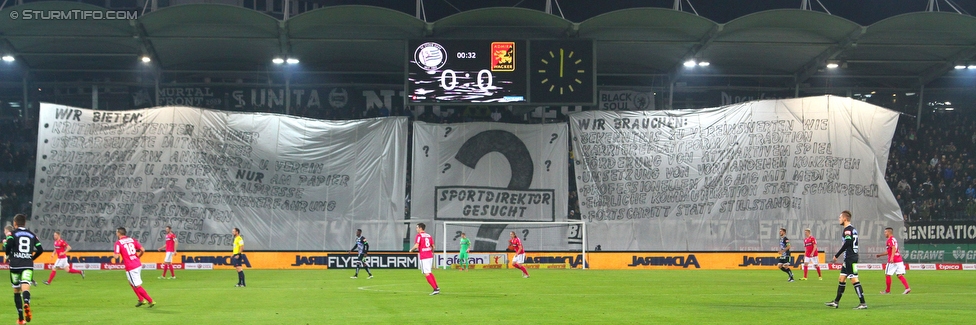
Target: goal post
<point>493,236</point>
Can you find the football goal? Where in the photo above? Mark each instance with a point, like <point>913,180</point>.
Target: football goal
<point>488,237</point>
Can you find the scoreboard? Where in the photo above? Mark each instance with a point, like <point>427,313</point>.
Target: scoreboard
<point>463,71</point>
<point>501,72</point>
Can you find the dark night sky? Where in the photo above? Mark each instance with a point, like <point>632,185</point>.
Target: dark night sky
<point>864,12</point>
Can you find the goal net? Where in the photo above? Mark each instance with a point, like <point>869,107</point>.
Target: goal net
<point>490,240</point>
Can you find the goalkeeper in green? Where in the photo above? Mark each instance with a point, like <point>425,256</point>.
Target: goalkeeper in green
<point>463,256</point>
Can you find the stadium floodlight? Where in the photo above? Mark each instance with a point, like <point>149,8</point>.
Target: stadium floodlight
<point>960,66</point>
<point>546,236</point>
<point>690,64</point>
<point>704,64</point>
<point>277,60</point>
<point>146,59</point>
<point>292,61</point>
<point>971,66</point>
<point>8,58</point>
<point>833,64</point>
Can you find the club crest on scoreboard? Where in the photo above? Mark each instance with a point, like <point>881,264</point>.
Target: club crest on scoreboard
<point>502,56</point>
<point>431,56</point>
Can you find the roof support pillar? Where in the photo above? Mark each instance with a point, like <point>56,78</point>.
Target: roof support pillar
<point>671,95</point>
<point>287,93</point>
<point>94,96</point>
<point>921,100</point>
<point>158,75</point>
<point>26,104</point>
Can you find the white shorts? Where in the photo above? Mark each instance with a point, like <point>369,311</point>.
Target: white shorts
<point>811,260</point>
<point>135,277</point>
<point>895,268</point>
<point>425,264</point>
<point>518,259</point>
<point>61,263</point>
<point>169,257</point>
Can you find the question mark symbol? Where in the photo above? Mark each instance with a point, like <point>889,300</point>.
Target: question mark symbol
<point>446,167</point>
<point>457,235</point>
<point>447,130</point>
<point>525,233</point>
<point>554,136</point>
<point>426,149</point>
<point>548,163</point>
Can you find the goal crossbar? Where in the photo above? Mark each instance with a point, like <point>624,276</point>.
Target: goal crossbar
<point>581,223</point>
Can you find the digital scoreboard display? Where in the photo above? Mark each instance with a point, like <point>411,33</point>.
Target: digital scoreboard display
<point>467,71</point>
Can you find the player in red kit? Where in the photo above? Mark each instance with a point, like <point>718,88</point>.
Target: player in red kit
<point>519,254</point>
<point>129,250</point>
<point>895,263</point>
<point>170,251</point>
<point>424,245</point>
<point>810,255</point>
<point>61,249</point>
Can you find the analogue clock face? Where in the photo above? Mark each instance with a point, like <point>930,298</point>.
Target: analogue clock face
<point>562,71</point>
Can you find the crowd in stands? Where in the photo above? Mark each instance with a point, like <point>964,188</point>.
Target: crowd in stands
<point>18,146</point>
<point>931,170</point>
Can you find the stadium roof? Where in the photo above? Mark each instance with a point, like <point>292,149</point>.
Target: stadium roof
<point>778,47</point>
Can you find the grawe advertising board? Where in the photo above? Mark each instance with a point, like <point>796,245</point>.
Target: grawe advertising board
<point>939,253</point>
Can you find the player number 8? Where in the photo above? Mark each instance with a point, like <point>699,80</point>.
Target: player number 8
<point>24,245</point>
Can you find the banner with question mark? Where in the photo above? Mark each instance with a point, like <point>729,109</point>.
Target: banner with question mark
<point>489,171</point>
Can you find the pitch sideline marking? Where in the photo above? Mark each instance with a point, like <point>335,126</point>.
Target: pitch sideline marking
<point>371,288</point>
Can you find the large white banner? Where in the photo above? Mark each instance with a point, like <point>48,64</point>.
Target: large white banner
<point>288,183</point>
<point>728,178</point>
<point>491,172</point>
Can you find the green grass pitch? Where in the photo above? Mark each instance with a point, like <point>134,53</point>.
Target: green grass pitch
<point>497,296</point>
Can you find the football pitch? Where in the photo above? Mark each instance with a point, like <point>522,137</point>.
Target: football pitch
<point>497,296</point>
